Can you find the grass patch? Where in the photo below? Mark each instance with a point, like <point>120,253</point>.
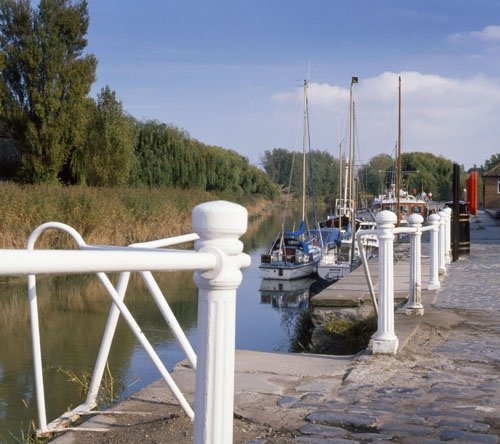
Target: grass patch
<point>28,437</point>
<point>341,337</point>
<point>113,216</point>
<point>354,336</point>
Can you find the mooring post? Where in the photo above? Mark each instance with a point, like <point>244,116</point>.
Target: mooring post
<point>442,242</point>
<point>434,283</point>
<point>455,222</point>
<point>414,305</point>
<point>384,340</point>
<point>219,225</point>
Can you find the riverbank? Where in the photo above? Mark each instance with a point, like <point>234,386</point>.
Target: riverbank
<point>113,216</point>
<point>443,385</point>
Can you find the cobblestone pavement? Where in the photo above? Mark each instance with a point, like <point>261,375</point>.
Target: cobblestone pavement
<point>475,283</point>
<point>444,386</point>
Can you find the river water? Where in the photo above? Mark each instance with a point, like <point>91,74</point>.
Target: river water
<point>73,312</point>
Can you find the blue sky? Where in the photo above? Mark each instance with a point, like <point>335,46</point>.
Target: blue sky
<point>230,72</point>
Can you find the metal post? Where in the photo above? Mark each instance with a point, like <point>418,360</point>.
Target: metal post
<point>434,283</point>
<point>107,340</point>
<point>414,305</point>
<point>219,225</point>
<point>34,320</point>
<point>456,212</point>
<point>37,353</point>
<point>442,242</point>
<point>385,341</point>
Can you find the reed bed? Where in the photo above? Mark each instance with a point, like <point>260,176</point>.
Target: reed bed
<point>114,216</point>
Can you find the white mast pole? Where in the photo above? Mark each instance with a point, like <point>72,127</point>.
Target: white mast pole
<point>398,156</point>
<point>304,144</point>
<point>349,183</point>
<point>349,163</point>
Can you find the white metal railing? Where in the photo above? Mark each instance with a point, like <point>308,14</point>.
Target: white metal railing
<point>217,260</point>
<point>385,339</point>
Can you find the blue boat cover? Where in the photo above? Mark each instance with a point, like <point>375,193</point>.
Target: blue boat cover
<point>328,235</point>
<point>297,233</point>
<point>305,247</point>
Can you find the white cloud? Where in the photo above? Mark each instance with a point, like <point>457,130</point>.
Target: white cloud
<point>489,33</point>
<point>453,117</point>
<point>322,94</point>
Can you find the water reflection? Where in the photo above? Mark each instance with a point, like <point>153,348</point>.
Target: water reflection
<point>289,298</point>
<point>284,295</point>
<point>73,313</point>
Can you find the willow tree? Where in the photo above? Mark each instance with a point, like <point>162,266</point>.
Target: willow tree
<point>44,80</point>
<point>109,147</point>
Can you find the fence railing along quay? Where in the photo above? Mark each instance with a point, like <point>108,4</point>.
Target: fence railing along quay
<point>216,262</point>
<point>385,339</point>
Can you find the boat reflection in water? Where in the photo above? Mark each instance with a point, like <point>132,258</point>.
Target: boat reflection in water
<point>289,298</point>
<point>282,294</point>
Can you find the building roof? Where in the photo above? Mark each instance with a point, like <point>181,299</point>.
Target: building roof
<point>494,172</point>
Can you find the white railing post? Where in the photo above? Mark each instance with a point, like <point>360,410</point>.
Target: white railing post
<point>434,283</point>
<point>447,250</point>
<point>219,225</point>
<point>37,353</point>
<point>442,242</point>
<point>107,340</point>
<point>414,305</point>
<point>384,340</point>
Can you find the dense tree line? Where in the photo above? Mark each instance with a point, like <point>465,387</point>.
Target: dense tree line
<point>421,172</point>
<point>167,156</point>
<point>63,135</point>
<point>285,168</point>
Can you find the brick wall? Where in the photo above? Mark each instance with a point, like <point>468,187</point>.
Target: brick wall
<point>491,195</point>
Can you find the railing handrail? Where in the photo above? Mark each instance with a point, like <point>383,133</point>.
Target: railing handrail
<point>101,259</point>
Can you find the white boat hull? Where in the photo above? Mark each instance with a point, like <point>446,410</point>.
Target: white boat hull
<point>287,272</point>
<point>333,272</point>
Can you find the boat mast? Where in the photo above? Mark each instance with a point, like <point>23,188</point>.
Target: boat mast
<point>349,176</point>
<point>350,164</point>
<point>304,144</point>
<point>398,154</point>
<point>338,203</point>
<point>352,191</point>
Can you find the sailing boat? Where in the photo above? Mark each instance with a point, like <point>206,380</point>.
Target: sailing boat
<point>396,199</point>
<point>294,254</point>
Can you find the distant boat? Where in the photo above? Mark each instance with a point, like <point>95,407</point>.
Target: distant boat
<point>406,203</point>
<point>343,257</point>
<point>396,199</point>
<point>291,257</point>
<point>294,254</point>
